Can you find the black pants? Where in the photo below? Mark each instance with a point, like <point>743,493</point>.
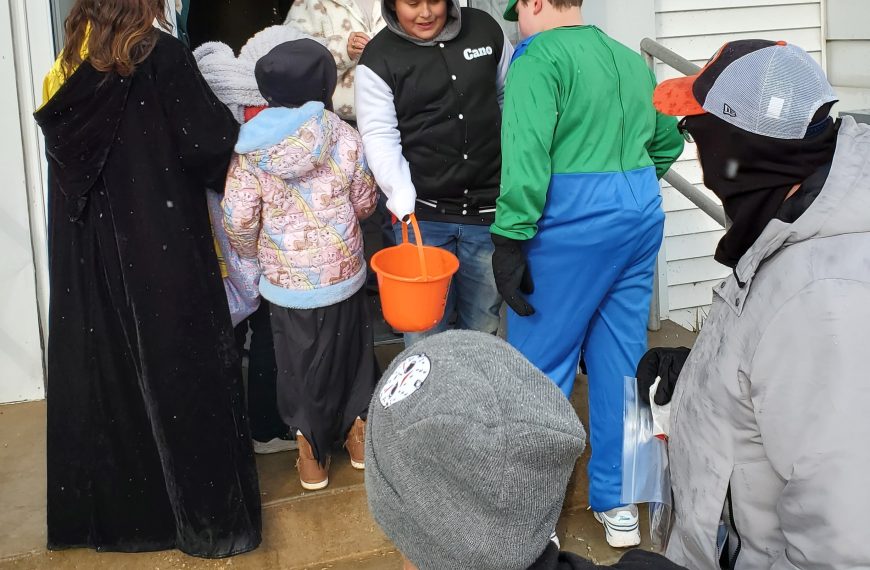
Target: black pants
<point>263,416</point>
<point>326,368</point>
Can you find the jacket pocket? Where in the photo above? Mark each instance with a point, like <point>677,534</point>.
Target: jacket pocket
<point>783,563</point>
<point>693,540</point>
<point>755,492</point>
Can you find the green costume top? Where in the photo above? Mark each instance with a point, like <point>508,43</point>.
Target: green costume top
<point>577,104</point>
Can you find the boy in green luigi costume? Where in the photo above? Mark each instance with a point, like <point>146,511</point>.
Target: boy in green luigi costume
<point>579,220</point>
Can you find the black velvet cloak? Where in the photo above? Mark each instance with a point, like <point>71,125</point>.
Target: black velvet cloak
<point>148,443</point>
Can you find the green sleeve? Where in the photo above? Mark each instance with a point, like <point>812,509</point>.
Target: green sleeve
<point>528,124</point>
<point>667,143</point>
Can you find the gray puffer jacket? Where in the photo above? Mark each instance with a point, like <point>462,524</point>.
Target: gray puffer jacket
<point>774,401</point>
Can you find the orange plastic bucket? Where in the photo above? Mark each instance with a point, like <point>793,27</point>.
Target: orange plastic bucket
<point>414,281</point>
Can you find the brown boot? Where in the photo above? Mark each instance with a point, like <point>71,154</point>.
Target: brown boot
<point>312,475</point>
<point>356,444</point>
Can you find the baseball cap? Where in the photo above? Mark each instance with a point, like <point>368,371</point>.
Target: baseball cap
<point>510,13</point>
<point>764,87</point>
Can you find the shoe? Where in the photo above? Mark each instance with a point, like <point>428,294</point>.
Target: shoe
<point>276,445</point>
<point>356,444</point>
<point>555,539</point>
<point>621,526</point>
<point>312,475</point>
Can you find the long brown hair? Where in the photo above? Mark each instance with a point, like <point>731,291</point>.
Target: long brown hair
<point>122,33</point>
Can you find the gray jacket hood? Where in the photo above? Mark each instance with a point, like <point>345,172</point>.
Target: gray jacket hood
<point>841,208</point>
<point>450,31</point>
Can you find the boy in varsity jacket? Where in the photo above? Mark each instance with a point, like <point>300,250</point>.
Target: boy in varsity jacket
<point>429,89</point>
<point>579,221</point>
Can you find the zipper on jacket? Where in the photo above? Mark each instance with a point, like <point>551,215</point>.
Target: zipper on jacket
<point>726,558</point>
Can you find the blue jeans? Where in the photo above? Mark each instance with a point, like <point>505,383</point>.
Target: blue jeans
<point>473,295</point>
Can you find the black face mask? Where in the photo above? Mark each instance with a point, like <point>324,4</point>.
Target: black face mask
<point>753,174</point>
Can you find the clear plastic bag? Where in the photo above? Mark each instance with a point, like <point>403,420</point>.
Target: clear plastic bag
<point>645,474</point>
<point>661,520</point>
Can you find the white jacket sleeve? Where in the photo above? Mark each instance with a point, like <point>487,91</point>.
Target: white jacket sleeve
<point>379,127</point>
<point>507,53</point>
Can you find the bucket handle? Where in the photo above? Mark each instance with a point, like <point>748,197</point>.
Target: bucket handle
<point>420,252</point>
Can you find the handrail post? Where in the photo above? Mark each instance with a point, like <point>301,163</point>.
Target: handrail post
<point>654,321</point>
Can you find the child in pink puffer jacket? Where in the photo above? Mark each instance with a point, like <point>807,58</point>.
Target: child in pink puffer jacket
<point>296,191</point>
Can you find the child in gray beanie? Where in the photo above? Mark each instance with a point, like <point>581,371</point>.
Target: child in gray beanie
<point>469,449</point>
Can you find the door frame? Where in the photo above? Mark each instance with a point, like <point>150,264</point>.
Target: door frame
<point>27,35</point>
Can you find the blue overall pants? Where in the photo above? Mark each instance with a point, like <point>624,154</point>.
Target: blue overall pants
<point>592,263</point>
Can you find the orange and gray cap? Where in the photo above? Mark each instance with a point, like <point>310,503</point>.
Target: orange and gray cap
<point>768,88</point>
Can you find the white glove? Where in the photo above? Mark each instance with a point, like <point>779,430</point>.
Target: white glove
<point>661,414</point>
<point>402,205</point>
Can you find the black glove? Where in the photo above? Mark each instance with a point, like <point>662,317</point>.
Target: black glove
<point>512,276</point>
<point>664,362</point>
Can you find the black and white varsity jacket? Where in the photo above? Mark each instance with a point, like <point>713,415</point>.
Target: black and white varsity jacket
<point>430,118</point>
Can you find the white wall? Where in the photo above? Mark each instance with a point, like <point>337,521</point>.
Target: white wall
<point>21,212</point>
<point>848,32</point>
<point>695,29</point>
<point>626,21</point>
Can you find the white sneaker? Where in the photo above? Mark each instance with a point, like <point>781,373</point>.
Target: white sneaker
<point>276,445</point>
<point>555,539</point>
<point>621,526</point>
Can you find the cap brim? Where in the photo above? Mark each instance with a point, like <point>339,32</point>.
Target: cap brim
<point>510,13</point>
<point>675,97</point>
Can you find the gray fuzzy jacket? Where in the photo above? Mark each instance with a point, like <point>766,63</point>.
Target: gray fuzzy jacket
<point>774,401</point>
<point>232,78</point>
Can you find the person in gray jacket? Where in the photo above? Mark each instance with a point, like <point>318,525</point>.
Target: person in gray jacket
<point>770,425</point>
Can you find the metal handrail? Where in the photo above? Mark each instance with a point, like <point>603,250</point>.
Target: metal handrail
<point>653,50</point>
<point>698,198</point>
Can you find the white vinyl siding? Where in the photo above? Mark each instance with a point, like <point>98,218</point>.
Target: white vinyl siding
<point>22,223</point>
<point>849,52</point>
<point>695,29</point>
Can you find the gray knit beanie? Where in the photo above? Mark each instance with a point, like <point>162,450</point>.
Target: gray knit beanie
<point>469,449</point>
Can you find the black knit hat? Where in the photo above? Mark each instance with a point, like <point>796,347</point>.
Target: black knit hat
<point>297,72</point>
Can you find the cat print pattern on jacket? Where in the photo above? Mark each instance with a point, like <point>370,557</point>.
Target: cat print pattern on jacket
<point>296,190</point>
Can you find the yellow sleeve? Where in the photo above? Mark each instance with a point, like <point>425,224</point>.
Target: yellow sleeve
<point>222,262</point>
<point>55,78</point>
<point>53,81</point>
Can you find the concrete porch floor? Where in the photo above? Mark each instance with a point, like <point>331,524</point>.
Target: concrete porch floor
<point>330,529</point>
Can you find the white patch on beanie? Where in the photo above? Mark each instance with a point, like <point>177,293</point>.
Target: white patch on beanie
<point>406,379</point>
